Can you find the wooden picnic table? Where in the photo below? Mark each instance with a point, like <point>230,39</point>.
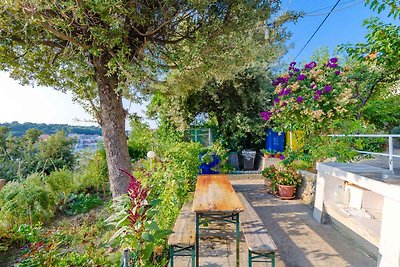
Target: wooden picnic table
<point>215,199</point>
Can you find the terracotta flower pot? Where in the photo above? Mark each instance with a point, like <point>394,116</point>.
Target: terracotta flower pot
<point>267,156</point>
<point>286,191</point>
<point>276,156</point>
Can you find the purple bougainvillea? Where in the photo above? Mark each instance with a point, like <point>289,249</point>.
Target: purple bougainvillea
<point>299,99</point>
<point>301,77</point>
<point>310,65</point>
<point>327,89</point>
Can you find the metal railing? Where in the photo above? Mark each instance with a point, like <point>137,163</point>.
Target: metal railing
<point>390,145</point>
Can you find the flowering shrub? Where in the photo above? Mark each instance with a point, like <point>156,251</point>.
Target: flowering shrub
<point>307,98</point>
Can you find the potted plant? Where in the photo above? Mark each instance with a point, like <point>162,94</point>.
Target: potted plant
<point>267,153</point>
<point>269,175</point>
<point>287,181</point>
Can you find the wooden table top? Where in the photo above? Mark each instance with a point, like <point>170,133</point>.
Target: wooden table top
<point>215,194</point>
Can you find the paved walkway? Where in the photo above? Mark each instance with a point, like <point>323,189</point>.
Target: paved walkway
<point>301,241</point>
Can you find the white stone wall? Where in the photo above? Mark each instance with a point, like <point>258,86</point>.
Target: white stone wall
<point>306,191</point>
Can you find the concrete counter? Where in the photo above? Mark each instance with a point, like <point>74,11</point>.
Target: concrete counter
<point>365,199</point>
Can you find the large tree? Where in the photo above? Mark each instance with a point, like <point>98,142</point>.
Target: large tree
<point>104,50</point>
<point>234,104</point>
<point>375,66</point>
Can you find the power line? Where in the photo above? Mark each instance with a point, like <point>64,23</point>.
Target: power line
<point>327,7</point>
<point>312,36</point>
<point>337,10</point>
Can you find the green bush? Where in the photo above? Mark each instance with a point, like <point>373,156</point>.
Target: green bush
<point>82,203</point>
<point>384,113</point>
<point>172,179</point>
<point>92,173</point>
<point>344,149</point>
<point>140,139</point>
<point>56,153</point>
<point>26,202</point>
<point>61,183</point>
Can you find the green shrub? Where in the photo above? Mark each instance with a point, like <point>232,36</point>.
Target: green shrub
<point>93,172</point>
<point>82,203</point>
<point>140,139</point>
<point>26,202</point>
<point>56,153</point>
<point>61,183</point>
<point>344,149</point>
<point>384,113</point>
<point>172,179</point>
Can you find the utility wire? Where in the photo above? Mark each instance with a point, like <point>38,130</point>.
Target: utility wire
<point>312,36</point>
<point>327,7</point>
<point>337,10</point>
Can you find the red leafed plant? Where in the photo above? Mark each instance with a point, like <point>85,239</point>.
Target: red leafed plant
<point>136,228</point>
<point>137,195</point>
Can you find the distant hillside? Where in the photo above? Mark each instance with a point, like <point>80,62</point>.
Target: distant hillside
<point>18,129</point>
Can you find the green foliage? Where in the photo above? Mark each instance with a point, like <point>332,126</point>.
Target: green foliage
<point>29,233</point>
<point>172,178</point>
<point>374,69</point>
<point>282,176</point>
<point>343,149</point>
<point>55,153</point>
<point>22,156</point>
<point>233,104</point>
<point>61,183</point>
<point>136,228</point>
<point>384,113</point>
<point>92,172</point>
<point>140,140</point>
<point>68,244</point>
<point>379,6</point>
<point>19,129</point>
<point>219,149</point>
<point>26,202</point>
<point>82,203</point>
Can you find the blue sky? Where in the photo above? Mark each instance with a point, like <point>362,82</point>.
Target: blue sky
<point>23,103</point>
<point>344,25</point>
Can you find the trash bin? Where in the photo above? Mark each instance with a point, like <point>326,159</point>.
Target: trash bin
<point>248,159</point>
<point>211,167</point>
<point>275,141</point>
<point>294,140</point>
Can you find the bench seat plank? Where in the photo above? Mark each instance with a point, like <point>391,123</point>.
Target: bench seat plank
<point>184,232</point>
<point>256,235</point>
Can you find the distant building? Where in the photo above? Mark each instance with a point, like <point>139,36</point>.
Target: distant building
<point>85,141</point>
<point>44,137</point>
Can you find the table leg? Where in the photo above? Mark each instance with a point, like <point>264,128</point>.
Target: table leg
<point>237,239</point>
<point>197,239</point>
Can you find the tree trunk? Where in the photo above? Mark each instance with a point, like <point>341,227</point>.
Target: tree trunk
<point>112,121</point>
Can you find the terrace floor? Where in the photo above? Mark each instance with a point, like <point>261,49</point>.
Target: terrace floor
<point>301,241</point>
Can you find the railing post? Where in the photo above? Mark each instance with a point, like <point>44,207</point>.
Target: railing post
<point>125,258</point>
<point>390,153</point>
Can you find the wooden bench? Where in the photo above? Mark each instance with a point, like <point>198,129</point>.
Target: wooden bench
<point>261,247</point>
<point>183,237</point>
